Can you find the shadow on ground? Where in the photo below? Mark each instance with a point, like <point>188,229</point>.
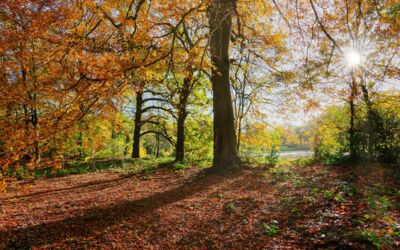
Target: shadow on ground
<point>98,218</point>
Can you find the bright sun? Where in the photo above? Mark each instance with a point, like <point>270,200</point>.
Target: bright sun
<point>353,58</point>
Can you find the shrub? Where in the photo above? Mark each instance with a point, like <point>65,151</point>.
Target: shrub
<point>369,237</point>
<point>330,135</point>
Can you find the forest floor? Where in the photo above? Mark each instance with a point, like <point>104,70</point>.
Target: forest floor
<point>281,207</point>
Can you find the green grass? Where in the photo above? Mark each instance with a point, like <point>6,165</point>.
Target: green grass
<point>230,207</point>
<point>270,229</point>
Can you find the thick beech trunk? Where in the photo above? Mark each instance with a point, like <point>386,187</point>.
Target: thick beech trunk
<point>138,125</point>
<point>220,20</point>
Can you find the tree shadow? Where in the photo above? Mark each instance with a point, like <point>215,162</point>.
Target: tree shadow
<point>141,214</point>
<point>101,217</point>
<point>97,183</point>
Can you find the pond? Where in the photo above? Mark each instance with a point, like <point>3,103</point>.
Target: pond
<point>292,154</point>
<point>296,154</point>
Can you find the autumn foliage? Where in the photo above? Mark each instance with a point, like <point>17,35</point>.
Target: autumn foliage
<point>139,89</point>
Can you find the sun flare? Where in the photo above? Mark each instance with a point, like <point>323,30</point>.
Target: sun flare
<point>353,58</point>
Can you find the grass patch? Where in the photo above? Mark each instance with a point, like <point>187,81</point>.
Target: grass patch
<point>280,173</point>
<point>270,229</point>
<point>181,166</point>
<point>230,207</point>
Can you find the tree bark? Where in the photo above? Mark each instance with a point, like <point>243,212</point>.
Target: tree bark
<point>220,20</point>
<point>138,125</point>
<point>352,120</point>
<point>35,123</point>
<point>180,140</point>
<point>239,135</point>
<point>370,123</point>
<point>80,140</point>
<point>182,114</point>
<point>158,145</point>
<point>127,140</point>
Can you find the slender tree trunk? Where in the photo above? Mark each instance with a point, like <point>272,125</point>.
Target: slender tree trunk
<point>240,116</point>
<point>239,134</point>
<point>182,114</point>
<point>158,145</point>
<point>138,125</point>
<point>35,123</point>
<point>370,123</point>
<point>113,137</point>
<point>127,140</point>
<point>180,140</point>
<point>238,140</point>
<point>80,140</point>
<point>352,120</point>
<point>220,20</point>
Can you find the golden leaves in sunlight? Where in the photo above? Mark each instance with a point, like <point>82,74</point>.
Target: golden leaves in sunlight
<point>64,61</point>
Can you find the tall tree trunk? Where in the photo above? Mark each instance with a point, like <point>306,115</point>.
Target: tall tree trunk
<point>220,20</point>
<point>158,145</point>
<point>180,139</point>
<point>241,113</point>
<point>35,123</point>
<point>127,140</point>
<point>352,120</point>
<point>239,135</point>
<point>80,140</point>
<point>138,125</point>
<point>182,114</point>
<point>370,123</point>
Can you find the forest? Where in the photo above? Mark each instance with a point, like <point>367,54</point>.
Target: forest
<point>199,124</point>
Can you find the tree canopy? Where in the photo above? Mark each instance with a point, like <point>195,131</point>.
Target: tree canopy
<point>83,77</point>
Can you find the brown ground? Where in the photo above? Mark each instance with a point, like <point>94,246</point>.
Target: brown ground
<point>194,210</point>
